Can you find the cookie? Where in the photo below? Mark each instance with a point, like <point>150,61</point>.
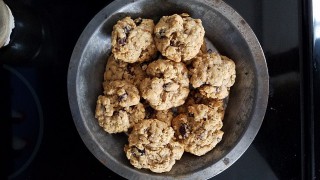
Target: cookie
<point>119,70</point>
<point>118,109</point>
<point>213,75</point>
<point>195,97</point>
<point>105,106</point>
<point>109,117</point>
<point>117,119</point>
<point>199,130</point>
<point>179,37</point>
<point>121,93</point>
<point>152,146</point>
<point>151,133</point>
<point>167,85</point>
<point>132,40</point>
<point>158,160</point>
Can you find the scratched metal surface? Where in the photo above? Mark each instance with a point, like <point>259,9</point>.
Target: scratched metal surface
<point>229,34</point>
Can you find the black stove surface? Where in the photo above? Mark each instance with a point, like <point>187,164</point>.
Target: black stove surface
<point>44,142</point>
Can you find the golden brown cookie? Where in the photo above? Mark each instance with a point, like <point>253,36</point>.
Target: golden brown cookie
<point>119,108</point>
<point>132,40</point>
<point>213,75</point>
<point>195,97</point>
<point>122,93</point>
<point>179,37</point>
<point>119,70</point>
<point>152,146</point>
<point>167,85</point>
<point>116,119</point>
<point>199,129</point>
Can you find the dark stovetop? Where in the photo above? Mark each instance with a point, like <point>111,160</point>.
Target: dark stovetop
<point>44,142</point>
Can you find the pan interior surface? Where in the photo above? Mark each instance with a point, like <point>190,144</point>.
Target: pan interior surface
<point>229,34</point>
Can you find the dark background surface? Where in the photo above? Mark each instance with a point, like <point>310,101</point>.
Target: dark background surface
<point>34,75</point>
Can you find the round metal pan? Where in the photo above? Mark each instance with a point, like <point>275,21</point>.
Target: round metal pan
<point>230,35</point>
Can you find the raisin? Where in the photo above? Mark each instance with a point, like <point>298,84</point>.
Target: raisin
<point>162,31</point>
<point>122,41</point>
<point>166,85</point>
<point>123,97</point>
<point>116,113</point>
<point>137,152</point>
<point>183,130</point>
<point>138,21</point>
<point>161,34</point>
<point>142,152</point>
<point>127,29</point>
<point>171,43</point>
<point>129,69</point>
<point>147,131</point>
<point>190,114</point>
<point>159,75</point>
<point>176,44</point>
<point>217,89</point>
<point>174,111</point>
<point>209,51</point>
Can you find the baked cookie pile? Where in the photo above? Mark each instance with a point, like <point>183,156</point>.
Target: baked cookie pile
<point>164,89</point>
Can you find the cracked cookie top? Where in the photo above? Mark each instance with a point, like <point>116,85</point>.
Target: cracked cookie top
<point>121,93</point>
<point>199,129</point>
<point>152,146</point>
<point>213,75</point>
<point>119,70</point>
<point>132,40</point>
<point>167,85</point>
<point>179,37</point>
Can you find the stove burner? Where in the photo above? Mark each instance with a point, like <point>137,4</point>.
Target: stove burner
<point>27,122</point>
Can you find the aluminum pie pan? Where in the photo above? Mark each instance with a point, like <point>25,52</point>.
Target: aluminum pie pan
<point>231,36</point>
